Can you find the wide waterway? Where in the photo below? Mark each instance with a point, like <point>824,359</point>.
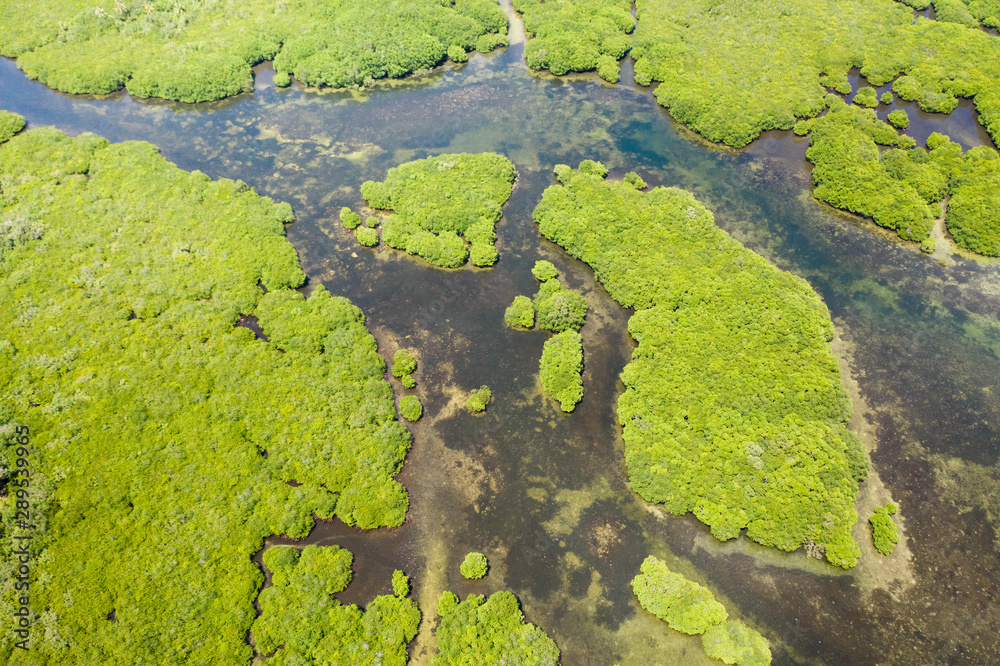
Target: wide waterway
<point>545,495</point>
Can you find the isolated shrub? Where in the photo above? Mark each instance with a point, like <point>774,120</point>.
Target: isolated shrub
<point>478,399</point>
<point>544,271</point>
<point>562,368</point>
<point>884,531</point>
<point>10,124</point>
<point>898,119</point>
<point>684,605</point>
<point>349,218</point>
<point>866,97</point>
<point>886,98</point>
<point>410,408</point>
<point>400,584</point>
<point>520,313</point>
<point>633,179</point>
<point>474,566</point>
<point>367,236</point>
<point>403,363</point>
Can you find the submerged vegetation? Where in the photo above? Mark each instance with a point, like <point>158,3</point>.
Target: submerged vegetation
<point>884,531</point>
<point>734,408</point>
<point>474,566</point>
<point>576,36</point>
<point>491,632</point>
<point>902,188</point>
<point>441,200</point>
<point>561,311</point>
<point>478,399</point>
<point>168,442</point>
<point>198,51</point>
<point>302,623</point>
<point>690,608</point>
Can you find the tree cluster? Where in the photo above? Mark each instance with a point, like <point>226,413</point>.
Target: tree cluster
<point>734,408</point>
<point>168,440</point>
<point>441,203</point>
<point>691,608</point>
<point>195,51</point>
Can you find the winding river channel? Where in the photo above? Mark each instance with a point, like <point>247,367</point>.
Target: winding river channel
<point>545,495</point>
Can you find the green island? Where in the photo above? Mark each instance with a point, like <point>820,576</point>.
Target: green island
<point>302,623</point>
<point>489,631</point>
<point>197,51</point>
<point>443,202</point>
<point>167,440</point>
<point>734,408</point>
<point>576,36</point>
<point>562,311</point>
<point>968,12</point>
<point>474,566</point>
<point>691,608</point>
<point>478,399</point>
<point>562,368</point>
<point>884,531</point>
<point>902,188</point>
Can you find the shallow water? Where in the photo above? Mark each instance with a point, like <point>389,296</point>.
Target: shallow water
<point>545,495</point>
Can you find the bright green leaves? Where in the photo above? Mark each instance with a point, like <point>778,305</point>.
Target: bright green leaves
<point>474,566</point>
<point>403,363</point>
<point>884,530</point>
<point>733,642</point>
<point>410,408</point>
<point>561,311</point>
<point>520,313</point>
<point>734,407</point>
<point>478,399</point>
<point>576,36</point>
<point>491,632</point>
<point>731,70</point>
<point>439,201</point>
<point>122,283</point>
<point>204,51</point>
<point>10,124</point>
<point>898,119</point>
<point>682,604</point>
<point>974,210</point>
<point>561,369</point>
<point>690,608</point>
<point>902,188</point>
<point>305,624</point>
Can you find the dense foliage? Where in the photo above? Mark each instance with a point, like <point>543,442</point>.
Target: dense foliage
<point>576,36</point>
<point>561,311</point>
<point>302,621</point>
<point>441,200</point>
<point>403,363</point>
<point>884,531</point>
<point>901,188</point>
<point>520,313</point>
<point>10,124</point>
<point>866,97</point>
<point>164,438</point>
<point>561,369</point>
<point>734,408</point>
<point>198,50</point>
<point>367,236</point>
<point>410,408</point>
<point>974,210</point>
<point>732,69</point>
<point>691,608</point>
<point>490,632</point>
<point>349,218</point>
<point>898,119</point>
<point>474,566</point>
<point>735,643</point>
<point>478,399</point>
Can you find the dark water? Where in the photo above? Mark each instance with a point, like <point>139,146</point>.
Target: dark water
<point>545,495</point>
